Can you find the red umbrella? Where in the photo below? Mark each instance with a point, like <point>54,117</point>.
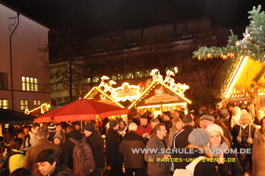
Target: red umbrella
<point>82,109</point>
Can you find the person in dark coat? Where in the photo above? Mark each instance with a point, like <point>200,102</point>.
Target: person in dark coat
<point>32,153</point>
<point>199,139</point>
<point>156,166</point>
<point>48,164</point>
<point>96,142</point>
<point>114,158</point>
<point>167,120</point>
<point>133,162</point>
<point>104,123</point>
<point>180,140</point>
<point>68,146</point>
<point>243,136</point>
<point>219,143</point>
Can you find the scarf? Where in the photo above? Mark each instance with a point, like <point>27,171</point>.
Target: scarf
<point>216,151</point>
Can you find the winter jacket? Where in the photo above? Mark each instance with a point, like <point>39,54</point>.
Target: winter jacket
<point>30,140</point>
<point>131,141</point>
<point>245,133</point>
<point>112,147</point>
<point>141,130</point>
<point>68,148</point>
<point>33,152</point>
<point>203,168</point>
<point>96,142</point>
<point>234,168</point>
<point>180,140</point>
<point>154,166</point>
<point>61,170</point>
<point>16,160</point>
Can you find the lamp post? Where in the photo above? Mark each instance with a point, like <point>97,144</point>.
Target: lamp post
<point>16,23</point>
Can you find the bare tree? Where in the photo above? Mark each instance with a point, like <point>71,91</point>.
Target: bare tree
<point>67,70</point>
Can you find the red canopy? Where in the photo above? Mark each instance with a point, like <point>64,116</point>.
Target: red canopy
<point>82,109</point>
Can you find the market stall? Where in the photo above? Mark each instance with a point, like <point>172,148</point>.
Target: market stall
<point>159,97</point>
<point>245,83</point>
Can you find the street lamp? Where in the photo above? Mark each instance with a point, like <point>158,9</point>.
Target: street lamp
<point>16,23</point>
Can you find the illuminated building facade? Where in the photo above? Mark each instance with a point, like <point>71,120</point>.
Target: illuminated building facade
<point>24,80</point>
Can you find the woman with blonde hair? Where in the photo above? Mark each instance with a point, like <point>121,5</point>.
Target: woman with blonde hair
<point>196,160</point>
<point>220,145</point>
<point>243,135</point>
<point>177,126</point>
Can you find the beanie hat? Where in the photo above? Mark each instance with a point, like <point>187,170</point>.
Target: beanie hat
<point>208,117</point>
<point>199,137</point>
<point>113,123</point>
<point>214,127</point>
<point>90,127</point>
<point>51,127</point>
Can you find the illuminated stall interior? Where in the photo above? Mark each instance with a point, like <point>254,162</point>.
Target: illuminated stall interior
<point>246,83</point>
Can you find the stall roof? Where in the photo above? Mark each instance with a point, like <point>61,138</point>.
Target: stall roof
<point>146,98</point>
<point>97,91</point>
<point>245,74</point>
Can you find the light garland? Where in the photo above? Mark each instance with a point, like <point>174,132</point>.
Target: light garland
<point>163,105</point>
<point>236,74</point>
<point>44,107</point>
<point>94,89</point>
<point>126,92</point>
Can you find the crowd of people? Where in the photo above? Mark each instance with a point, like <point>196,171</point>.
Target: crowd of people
<point>228,142</point>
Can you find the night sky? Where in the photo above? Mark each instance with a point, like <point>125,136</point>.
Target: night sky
<point>96,17</point>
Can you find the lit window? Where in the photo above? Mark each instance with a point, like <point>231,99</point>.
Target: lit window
<point>95,79</point>
<point>35,84</point>
<point>29,84</point>
<point>114,77</point>
<point>138,74</point>
<point>120,76</point>
<point>4,104</point>
<point>176,69</point>
<point>147,73</point>
<point>24,104</point>
<point>129,75</point>
<point>36,102</point>
<point>88,80</point>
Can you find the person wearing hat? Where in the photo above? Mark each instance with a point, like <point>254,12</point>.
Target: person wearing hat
<point>58,139</point>
<point>206,120</point>
<point>243,136</point>
<point>220,144</point>
<point>144,129</point>
<point>113,156</point>
<point>96,142</point>
<point>198,149</point>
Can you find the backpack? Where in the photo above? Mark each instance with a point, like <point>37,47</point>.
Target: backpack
<point>189,171</point>
<point>83,160</point>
